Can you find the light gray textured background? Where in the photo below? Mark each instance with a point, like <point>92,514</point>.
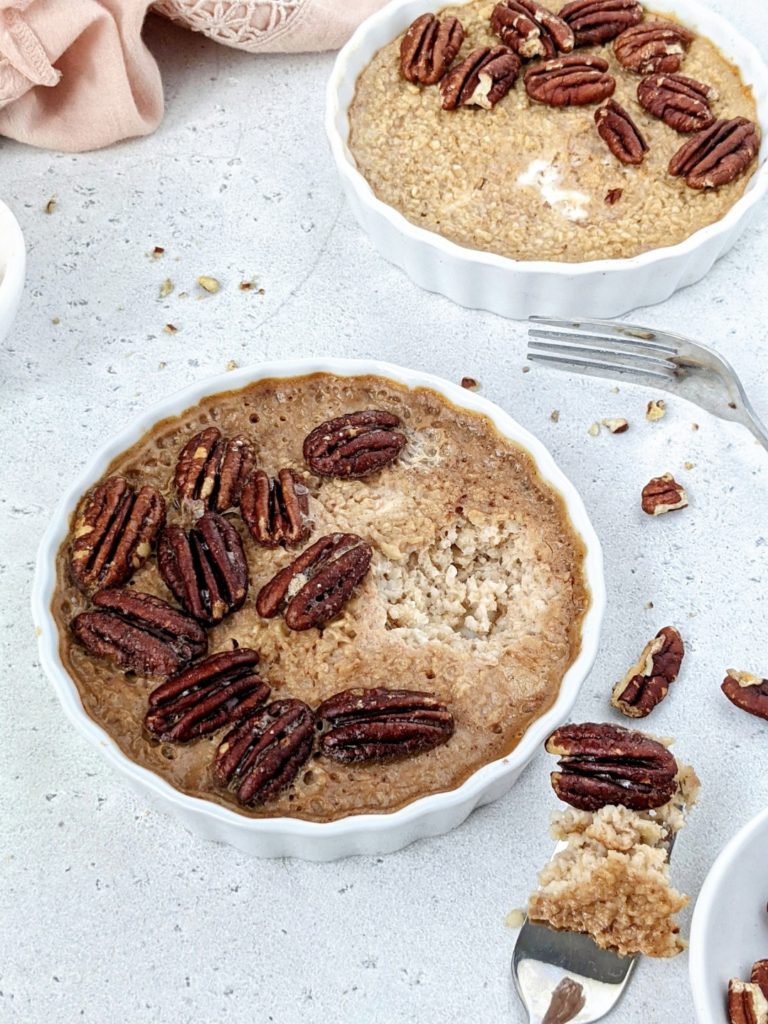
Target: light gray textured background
<point>115,913</point>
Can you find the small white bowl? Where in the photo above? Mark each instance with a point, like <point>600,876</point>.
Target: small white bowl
<point>729,930</point>
<point>515,288</point>
<point>13,261</point>
<point>367,833</point>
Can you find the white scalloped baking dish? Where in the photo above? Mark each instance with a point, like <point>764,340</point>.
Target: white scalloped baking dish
<point>519,289</point>
<point>12,267</point>
<point>359,834</point>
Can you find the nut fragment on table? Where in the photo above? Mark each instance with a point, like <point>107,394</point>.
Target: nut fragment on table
<point>530,29</point>
<point>428,48</point>
<point>747,691</point>
<point>759,976</point>
<point>647,682</point>
<point>209,284</point>
<point>652,47</point>
<point>718,155</point>
<point>746,1003</point>
<point>620,133</point>
<point>663,494</point>
<point>656,410</point>
<point>574,80</point>
<point>616,425</point>
<point>600,21</point>
<point>470,383</point>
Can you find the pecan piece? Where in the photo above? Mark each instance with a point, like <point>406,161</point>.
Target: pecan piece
<point>314,587</point>
<point>380,724</point>
<point>746,1003</point>
<point>570,81</point>
<point>759,976</point>
<point>428,48</point>
<point>748,692</point>
<point>483,78</point>
<point>663,494</point>
<point>276,511</point>
<point>607,764</point>
<point>646,684</point>
<point>264,753</point>
<point>114,533</point>
<point>652,47</point>
<point>212,469</point>
<point>620,133</point>
<point>219,690</point>
<point>205,569</point>
<point>718,155</point>
<point>680,102</point>
<point>530,29</point>
<point>355,444</point>
<point>140,632</point>
<point>599,21</point>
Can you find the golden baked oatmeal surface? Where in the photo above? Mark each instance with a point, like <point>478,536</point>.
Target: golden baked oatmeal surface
<point>529,181</point>
<point>476,591</point>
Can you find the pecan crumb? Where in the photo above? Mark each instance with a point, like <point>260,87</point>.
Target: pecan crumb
<point>663,494</point>
<point>470,383</point>
<point>50,206</point>
<point>166,288</point>
<point>208,284</point>
<point>617,425</point>
<point>613,195</point>
<point>162,365</point>
<point>649,604</point>
<point>246,286</point>
<point>594,430</point>
<point>56,321</point>
<point>526,369</point>
<point>689,465</point>
<point>656,410</point>
<point>555,415</point>
<point>157,252</point>
<point>170,329</point>
<point>694,426</point>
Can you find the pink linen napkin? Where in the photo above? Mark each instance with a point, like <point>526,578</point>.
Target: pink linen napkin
<point>76,75</point>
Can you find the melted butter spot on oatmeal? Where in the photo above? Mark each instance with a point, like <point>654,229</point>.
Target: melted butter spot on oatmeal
<point>544,176</point>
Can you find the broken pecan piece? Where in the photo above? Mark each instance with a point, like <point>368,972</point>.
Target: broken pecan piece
<point>680,102</point>
<point>620,133</point>
<point>380,724</point>
<point>653,47</point>
<point>483,78</point>
<point>748,692</point>
<point>114,533</point>
<point>264,753</point>
<point>530,29</point>
<point>746,1003</point>
<point>314,587</point>
<point>607,764</point>
<point>205,569</point>
<point>759,976</point>
<point>570,81</point>
<point>219,690</point>
<point>718,155</point>
<point>428,48</point>
<point>276,511</point>
<point>663,494</point>
<point>140,632</point>
<point>212,469</point>
<point>355,444</point>
<point>646,684</point>
<point>599,21</point>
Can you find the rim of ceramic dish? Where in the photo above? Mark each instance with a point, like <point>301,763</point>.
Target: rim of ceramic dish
<point>48,636</point>
<point>398,14</point>
<point>702,923</point>
<point>12,256</point>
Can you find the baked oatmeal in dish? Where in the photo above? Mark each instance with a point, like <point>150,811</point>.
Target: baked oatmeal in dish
<point>534,141</point>
<point>320,596</point>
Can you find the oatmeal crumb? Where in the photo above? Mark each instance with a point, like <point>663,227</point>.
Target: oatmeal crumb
<point>526,369</point>
<point>614,390</point>
<point>594,430</point>
<point>170,329</point>
<point>656,410</point>
<point>689,465</point>
<point>555,415</point>
<point>470,383</point>
<point>616,425</point>
<point>162,365</point>
<point>166,288</point>
<point>515,918</point>
<point>50,206</point>
<point>231,364</point>
<point>208,284</point>
<point>56,321</point>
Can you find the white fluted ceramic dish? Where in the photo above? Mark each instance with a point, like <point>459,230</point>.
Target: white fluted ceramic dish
<point>729,930</point>
<point>515,288</point>
<point>12,268</point>
<point>358,834</point>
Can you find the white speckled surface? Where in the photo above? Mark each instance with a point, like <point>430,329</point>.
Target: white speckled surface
<point>115,912</point>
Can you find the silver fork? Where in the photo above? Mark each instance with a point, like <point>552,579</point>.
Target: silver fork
<point>642,355</point>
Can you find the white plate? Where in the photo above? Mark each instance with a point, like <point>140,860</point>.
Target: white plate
<point>369,833</point>
<point>514,288</point>
<point>12,267</point>
<point>729,930</point>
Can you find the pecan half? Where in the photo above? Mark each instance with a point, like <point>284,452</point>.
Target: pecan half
<point>205,569</point>
<point>680,102</point>
<point>263,754</point>
<point>652,47</point>
<point>718,155</point>
<point>380,724</point>
<point>354,445</point>
<point>599,21</point>
<point>663,494</point>
<point>276,511</point>
<point>646,684</point>
<point>748,692</point>
<point>482,78</point>
<point>428,48</point>
<point>212,469</point>
<point>530,29</point>
<point>746,1003</point>
<point>314,587</point>
<point>570,81</point>
<point>620,133</point>
<point>139,632</point>
<point>219,690</point>
<point>114,533</point>
<point>606,764</point>
<point>759,976</point>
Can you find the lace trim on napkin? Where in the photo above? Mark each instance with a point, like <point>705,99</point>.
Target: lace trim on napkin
<point>246,24</point>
